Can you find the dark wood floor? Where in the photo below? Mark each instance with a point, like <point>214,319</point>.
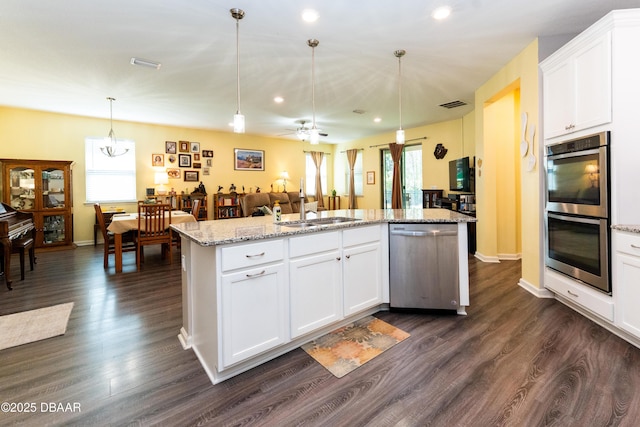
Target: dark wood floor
<point>514,360</point>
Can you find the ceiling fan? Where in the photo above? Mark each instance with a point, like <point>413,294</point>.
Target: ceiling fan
<point>302,131</point>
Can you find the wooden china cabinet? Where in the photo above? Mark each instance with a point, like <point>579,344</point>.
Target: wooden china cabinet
<point>44,188</point>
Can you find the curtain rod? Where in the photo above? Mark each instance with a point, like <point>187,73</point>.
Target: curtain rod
<point>328,154</point>
<point>359,149</point>
<point>408,140</point>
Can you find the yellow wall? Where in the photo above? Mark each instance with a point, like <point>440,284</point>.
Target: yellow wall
<point>27,134</point>
<point>456,135</point>
<point>522,71</point>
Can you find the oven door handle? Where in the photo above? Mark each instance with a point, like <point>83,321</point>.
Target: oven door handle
<point>574,218</point>
<point>580,153</point>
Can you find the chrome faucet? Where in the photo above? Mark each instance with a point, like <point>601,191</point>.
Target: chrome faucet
<point>303,214</point>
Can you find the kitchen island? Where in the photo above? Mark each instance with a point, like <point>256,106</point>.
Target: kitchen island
<point>253,290</point>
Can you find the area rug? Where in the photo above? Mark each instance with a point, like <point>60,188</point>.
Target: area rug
<point>353,345</point>
<point>34,325</point>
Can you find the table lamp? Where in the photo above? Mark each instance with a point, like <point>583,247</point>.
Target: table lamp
<point>161,178</point>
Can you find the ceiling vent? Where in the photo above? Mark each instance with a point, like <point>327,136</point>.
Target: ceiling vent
<point>453,104</point>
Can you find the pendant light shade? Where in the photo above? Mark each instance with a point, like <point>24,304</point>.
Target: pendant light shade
<point>400,132</point>
<point>314,133</point>
<point>238,118</point>
<point>110,147</point>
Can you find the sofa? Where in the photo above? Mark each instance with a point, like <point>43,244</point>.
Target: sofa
<point>252,202</point>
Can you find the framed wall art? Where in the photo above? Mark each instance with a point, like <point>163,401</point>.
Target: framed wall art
<point>170,147</point>
<point>207,153</point>
<point>184,146</point>
<point>197,165</point>
<point>371,177</point>
<point>191,176</point>
<point>174,173</point>
<point>157,160</point>
<point>184,160</point>
<point>248,160</point>
<point>194,147</point>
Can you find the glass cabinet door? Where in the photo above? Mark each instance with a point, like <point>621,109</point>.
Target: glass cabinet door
<point>53,188</point>
<point>54,229</point>
<point>23,188</point>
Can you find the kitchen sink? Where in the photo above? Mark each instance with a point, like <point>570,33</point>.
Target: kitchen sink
<point>316,222</point>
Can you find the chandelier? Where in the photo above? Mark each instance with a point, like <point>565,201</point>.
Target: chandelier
<point>111,147</point>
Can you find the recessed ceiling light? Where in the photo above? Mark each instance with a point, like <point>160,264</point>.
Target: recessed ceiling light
<point>278,100</point>
<point>377,120</point>
<point>441,13</point>
<point>309,15</point>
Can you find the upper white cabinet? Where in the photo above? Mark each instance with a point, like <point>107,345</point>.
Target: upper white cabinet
<point>577,86</point>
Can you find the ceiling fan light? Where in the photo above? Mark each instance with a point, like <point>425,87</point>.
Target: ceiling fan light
<point>238,123</point>
<point>400,136</point>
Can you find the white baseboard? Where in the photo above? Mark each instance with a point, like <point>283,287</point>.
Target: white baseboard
<point>539,293</point>
<point>510,257</point>
<point>485,258</point>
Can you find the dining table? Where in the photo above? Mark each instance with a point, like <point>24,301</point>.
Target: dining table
<point>121,223</point>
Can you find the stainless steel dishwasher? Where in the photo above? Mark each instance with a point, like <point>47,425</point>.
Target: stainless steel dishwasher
<point>423,263</point>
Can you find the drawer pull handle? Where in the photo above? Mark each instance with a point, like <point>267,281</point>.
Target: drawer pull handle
<point>635,246</point>
<point>348,256</point>
<point>255,275</point>
<point>573,295</point>
<point>255,256</point>
<point>338,258</point>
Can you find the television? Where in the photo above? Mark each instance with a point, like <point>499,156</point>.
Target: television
<point>461,176</point>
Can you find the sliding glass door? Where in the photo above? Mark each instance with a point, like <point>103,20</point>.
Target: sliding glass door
<point>410,177</point>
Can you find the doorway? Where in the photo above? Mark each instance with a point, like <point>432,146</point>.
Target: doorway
<point>410,177</point>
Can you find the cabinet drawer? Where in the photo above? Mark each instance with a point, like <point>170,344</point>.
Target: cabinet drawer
<point>627,243</point>
<point>313,243</point>
<point>583,295</point>
<point>360,235</point>
<point>249,255</point>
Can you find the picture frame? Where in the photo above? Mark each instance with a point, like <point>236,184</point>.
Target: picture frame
<point>371,177</point>
<point>196,157</point>
<point>209,162</point>
<point>207,153</point>
<point>170,147</point>
<point>191,176</point>
<point>184,160</point>
<point>184,146</point>
<point>206,171</point>
<point>157,160</point>
<point>197,165</point>
<point>174,173</point>
<point>151,191</point>
<point>194,147</point>
<point>248,160</point>
<point>172,158</point>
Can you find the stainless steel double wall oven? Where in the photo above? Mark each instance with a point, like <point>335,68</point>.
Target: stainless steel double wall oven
<point>577,209</point>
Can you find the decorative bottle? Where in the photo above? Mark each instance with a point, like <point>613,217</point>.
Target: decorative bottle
<point>277,212</point>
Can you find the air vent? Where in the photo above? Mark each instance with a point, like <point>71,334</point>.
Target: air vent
<point>359,111</point>
<point>453,104</point>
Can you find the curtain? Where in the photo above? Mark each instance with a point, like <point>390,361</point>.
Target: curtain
<point>351,158</point>
<point>317,157</point>
<point>396,189</point>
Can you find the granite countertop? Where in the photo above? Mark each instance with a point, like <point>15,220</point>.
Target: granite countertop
<point>225,231</point>
<point>629,228</point>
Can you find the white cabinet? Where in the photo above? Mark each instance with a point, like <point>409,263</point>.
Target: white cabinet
<point>315,282</point>
<point>362,271</point>
<point>253,302</point>
<point>577,86</point>
<point>627,281</point>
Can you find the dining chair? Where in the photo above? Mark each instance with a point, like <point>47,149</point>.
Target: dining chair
<point>128,238</point>
<point>195,208</point>
<point>153,229</point>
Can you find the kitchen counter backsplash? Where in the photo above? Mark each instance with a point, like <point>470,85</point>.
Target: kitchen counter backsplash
<point>220,232</point>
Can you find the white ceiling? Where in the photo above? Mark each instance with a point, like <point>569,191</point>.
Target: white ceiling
<point>68,56</point>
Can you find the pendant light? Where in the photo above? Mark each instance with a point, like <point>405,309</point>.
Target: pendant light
<point>314,133</point>
<point>110,147</point>
<point>238,118</point>
<point>400,132</point>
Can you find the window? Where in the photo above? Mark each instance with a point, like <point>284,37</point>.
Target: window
<point>410,177</point>
<point>310,175</point>
<point>358,175</point>
<point>110,179</point>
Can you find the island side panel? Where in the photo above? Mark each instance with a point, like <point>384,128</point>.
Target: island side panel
<point>205,293</point>
<point>187,299</point>
<point>463,267</point>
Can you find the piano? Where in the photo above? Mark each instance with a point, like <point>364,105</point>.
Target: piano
<point>13,225</point>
